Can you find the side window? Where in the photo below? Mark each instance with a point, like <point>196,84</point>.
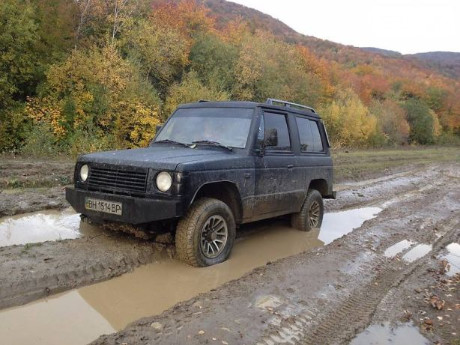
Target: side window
<point>310,138</point>
<point>278,122</point>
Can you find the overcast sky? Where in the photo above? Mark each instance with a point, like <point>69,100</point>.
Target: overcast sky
<point>407,26</point>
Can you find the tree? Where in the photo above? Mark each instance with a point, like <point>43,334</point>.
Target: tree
<point>190,90</point>
<point>214,59</point>
<point>348,120</point>
<point>160,52</point>
<point>96,100</point>
<point>420,120</point>
<point>19,67</point>
<point>391,120</point>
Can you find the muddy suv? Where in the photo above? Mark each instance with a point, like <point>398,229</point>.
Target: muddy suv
<point>210,168</point>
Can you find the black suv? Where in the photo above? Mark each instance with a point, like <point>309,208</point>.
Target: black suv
<point>211,167</point>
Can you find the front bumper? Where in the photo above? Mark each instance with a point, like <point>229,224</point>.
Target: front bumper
<point>134,210</point>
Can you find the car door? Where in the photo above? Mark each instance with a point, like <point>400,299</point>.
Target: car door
<point>274,187</point>
<point>313,160</point>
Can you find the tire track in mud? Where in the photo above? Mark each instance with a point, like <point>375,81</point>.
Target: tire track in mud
<point>340,325</point>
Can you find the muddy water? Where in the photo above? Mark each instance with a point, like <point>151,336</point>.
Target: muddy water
<point>417,252</point>
<point>153,288</point>
<point>48,323</point>
<point>39,227</point>
<point>397,248</point>
<point>453,256</point>
<point>401,334</point>
<point>338,224</point>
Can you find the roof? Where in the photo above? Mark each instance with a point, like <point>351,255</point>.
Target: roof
<point>244,104</point>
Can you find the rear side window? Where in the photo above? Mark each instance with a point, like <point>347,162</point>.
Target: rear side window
<point>278,122</point>
<point>310,138</point>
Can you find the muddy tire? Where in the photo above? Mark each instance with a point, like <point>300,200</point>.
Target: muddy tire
<point>205,235</point>
<point>311,214</point>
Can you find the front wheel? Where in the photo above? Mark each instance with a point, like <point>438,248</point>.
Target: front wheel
<point>311,214</point>
<point>205,236</point>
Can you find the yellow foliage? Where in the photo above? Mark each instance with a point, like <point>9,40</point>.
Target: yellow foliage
<point>348,120</point>
<point>190,90</point>
<point>98,93</point>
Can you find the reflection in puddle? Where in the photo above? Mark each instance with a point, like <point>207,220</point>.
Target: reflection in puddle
<point>153,288</point>
<point>417,252</point>
<point>453,256</point>
<point>337,224</point>
<point>46,322</point>
<point>39,227</point>
<point>401,334</point>
<point>397,248</point>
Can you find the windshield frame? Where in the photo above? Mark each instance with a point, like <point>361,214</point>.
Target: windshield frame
<point>249,139</point>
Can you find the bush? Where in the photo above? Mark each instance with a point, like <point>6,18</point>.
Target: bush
<point>40,141</point>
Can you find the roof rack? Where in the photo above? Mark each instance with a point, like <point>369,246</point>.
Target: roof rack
<point>287,104</point>
<point>203,101</point>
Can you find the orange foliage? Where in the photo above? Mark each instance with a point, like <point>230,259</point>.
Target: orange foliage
<point>187,16</point>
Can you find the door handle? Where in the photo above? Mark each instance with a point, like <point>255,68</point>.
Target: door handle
<point>247,175</point>
<point>290,166</point>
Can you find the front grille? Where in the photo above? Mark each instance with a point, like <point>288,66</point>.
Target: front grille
<point>118,180</point>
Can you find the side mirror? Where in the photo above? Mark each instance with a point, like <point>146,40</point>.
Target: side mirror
<point>271,137</point>
<point>158,128</point>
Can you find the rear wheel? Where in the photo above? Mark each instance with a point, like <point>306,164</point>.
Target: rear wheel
<point>311,213</point>
<point>205,236</point>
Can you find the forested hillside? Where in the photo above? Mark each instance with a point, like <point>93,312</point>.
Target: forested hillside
<point>78,76</point>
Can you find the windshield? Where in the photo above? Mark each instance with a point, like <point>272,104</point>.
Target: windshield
<point>226,126</point>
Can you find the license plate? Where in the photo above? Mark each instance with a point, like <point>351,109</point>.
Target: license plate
<point>103,206</point>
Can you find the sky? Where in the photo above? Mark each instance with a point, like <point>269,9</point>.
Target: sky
<point>406,26</point>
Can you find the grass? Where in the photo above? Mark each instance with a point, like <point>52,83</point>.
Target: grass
<point>358,164</point>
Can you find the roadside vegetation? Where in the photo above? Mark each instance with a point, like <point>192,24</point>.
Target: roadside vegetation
<point>81,76</point>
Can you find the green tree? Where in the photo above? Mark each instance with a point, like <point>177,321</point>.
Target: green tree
<point>214,61</point>
<point>19,67</point>
<point>421,121</point>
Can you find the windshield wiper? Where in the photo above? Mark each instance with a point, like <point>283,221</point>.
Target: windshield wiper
<point>169,141</point>
<point>213,143</point>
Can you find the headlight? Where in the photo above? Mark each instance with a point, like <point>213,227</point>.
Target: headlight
<point>164,181</point>
<point>84,171</point>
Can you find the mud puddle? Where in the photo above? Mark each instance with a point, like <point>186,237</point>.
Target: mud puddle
<point>397,248</point>
<point>417,252</point>
<point>338,224</point>
<point>49,323</point>
<point>453,257</point>
<point>401,334</point>
<point>39,227</point>
<point>153,288</point>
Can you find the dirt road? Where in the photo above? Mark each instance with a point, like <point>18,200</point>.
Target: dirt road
<point>329,295</point>
<point>325,295</point>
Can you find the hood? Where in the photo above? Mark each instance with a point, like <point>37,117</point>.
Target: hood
<point>158,157</point>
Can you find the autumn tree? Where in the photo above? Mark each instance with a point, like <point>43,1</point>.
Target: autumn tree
<point>391,120</point>
<point>190,90</point>
<point>96,100</point>
<point>348,120</point>
<point>160,52</point>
